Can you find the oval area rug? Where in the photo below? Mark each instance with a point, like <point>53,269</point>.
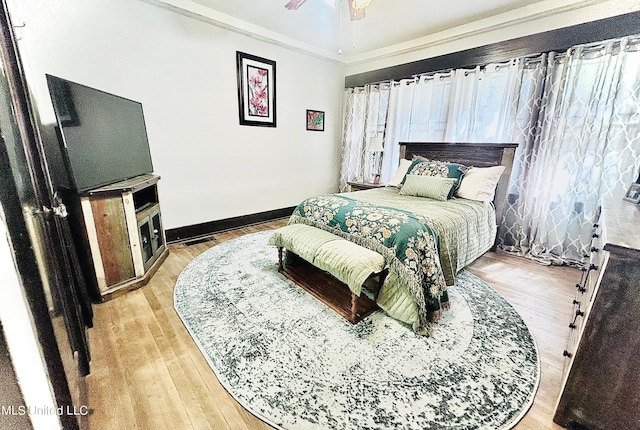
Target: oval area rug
<point>294,363</point>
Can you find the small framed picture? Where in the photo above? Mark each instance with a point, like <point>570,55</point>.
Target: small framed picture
<point>633,194</point>
<point>315,120</point>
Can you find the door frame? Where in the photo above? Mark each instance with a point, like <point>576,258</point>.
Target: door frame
<point>10,202</point>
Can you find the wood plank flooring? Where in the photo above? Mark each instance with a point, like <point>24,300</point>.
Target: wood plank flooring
<point>147,373</point>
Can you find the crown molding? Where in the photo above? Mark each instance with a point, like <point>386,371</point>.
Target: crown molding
<point>534,12</point>
<point>210,16</point>
<point>480,29</point>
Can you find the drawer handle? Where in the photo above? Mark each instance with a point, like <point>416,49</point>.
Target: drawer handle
<point>595,235</point>
<point>594,249</point>
<point>579,313</point>
<point>576,302</point>
<point>591,267</point>
<point>572,326</point>
<point>567,354</point>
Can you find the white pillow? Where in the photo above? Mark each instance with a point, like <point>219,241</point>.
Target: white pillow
<point>479,183</point>
<point>402,170</point>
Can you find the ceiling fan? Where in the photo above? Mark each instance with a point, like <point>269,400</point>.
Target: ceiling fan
<point>356,7</point>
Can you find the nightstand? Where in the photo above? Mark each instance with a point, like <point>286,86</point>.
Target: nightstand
<point>359,186</point>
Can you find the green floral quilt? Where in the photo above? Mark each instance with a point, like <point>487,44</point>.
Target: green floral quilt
<point>416,247</point>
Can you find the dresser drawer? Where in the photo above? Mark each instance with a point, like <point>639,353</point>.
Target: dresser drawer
<point>594,267</point>
<point>599,388</point>
<point>589,275</point>
<point>576,324</point>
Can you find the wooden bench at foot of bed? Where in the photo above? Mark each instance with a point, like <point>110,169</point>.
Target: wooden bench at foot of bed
<point>330,268</point>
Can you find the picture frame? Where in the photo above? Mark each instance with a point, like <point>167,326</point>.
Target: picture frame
<point>633,194</point>
<point>315,120</point>
<point>256,90</point>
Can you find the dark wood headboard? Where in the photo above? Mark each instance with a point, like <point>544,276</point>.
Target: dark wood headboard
<point>469,154</point>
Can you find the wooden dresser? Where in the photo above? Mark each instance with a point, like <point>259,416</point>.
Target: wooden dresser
<point>602,376</point>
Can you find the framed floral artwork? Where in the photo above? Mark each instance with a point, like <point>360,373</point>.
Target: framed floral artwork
<point>256,90</point>
<point>315,120</point>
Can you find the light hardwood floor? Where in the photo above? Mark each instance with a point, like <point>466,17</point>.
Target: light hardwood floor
<point>147,373</point>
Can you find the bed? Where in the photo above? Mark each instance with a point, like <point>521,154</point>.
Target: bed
<point>409,240</point>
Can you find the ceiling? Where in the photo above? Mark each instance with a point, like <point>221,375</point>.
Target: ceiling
<point>324,29</point>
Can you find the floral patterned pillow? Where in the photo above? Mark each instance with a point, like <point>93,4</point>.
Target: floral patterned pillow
<point>425,167</point>
<point>430,168</point>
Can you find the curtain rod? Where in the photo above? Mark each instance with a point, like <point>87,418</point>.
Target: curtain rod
<point>417,76</point>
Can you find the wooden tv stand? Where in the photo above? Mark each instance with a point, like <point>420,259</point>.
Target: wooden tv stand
<point>125,234</point>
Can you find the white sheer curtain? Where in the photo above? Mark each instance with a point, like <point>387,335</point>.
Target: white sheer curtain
<point>497,101</point>
<point>475,105</point>
<point>429,107</point>
<point>400,99</point>
<point>462,106</point>
<point>483,103</point>
<point>575,116</point>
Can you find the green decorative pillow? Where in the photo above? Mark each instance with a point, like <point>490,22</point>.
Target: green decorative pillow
<point>426,167</point>
<point>433,187</point>
<point>457,172</point>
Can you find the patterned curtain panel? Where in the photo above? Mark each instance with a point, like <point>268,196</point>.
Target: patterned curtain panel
<point>365,117</point>
<point>378,107</point>
<point>586,145</point>
<point>575,116</point>
<point>353,137</point>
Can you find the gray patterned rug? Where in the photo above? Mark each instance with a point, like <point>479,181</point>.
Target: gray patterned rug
<point>295,364</point>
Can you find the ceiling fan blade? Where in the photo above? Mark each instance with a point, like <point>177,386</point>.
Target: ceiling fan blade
<point>354,13</point>
<point>294,4</point>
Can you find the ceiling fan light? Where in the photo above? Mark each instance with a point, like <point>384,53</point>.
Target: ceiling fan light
<point>361,4</point>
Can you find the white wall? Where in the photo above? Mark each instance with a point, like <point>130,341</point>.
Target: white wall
<point>183,71</point>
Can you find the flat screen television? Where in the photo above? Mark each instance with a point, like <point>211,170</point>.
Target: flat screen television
<point>103,135</point>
